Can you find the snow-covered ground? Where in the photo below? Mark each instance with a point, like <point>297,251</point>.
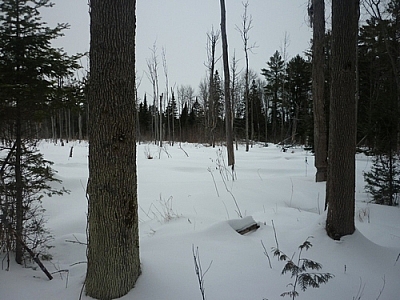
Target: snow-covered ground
<point>187,202</point>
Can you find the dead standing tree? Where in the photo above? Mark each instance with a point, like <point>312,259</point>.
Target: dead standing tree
<point>152,65</point>
<point>244,33</point>
<point>212,41</point>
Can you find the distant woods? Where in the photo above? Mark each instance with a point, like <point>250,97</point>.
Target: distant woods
<point>274,102</point>
<point>281,101</point>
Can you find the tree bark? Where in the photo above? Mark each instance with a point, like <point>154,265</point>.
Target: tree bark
<point>113,264</point>
<point>342,131</point>
<point>318,87</point>
<point>227,80</point>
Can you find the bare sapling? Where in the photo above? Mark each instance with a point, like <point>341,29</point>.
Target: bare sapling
<point>199,270</point>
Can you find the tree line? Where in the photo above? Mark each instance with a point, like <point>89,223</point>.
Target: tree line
<point>277,103</point>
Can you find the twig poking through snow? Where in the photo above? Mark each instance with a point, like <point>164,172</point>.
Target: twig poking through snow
<point>266,254</point>
<point>199,271</point>
<point>276,238</point>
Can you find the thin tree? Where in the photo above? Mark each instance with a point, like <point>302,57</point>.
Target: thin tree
<point>113,264</point>
<point>227,80</point>
<point>212,41</point>
<point>165,68</point>
<point>235,91</point>
<point>342,131</point>
<point>285,107</point>
<point>244,33</point>
<point>317,15</point>
<point>152,65</point>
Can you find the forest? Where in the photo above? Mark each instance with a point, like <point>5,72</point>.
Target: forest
<point>337,99</point>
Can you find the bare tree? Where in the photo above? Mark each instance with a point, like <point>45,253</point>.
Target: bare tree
<point>212,41</point>
<point>235,96</point>
<point>166,99</point>
<point>342,124</point>
<point>244,33</point>
<point>285,103</point>
<point>113,264</point>
<point>317,16</point>
<point>152,65</point>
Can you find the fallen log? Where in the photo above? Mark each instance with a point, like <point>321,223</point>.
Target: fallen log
<point>244,225</point>
<point>250,228</point>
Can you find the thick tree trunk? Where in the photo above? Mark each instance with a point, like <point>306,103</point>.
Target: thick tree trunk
<point>342,130</point>
<point>113,264</point>
<point>227,80</point>
<point>318,86</point>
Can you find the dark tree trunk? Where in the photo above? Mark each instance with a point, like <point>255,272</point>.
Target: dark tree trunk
<point>228,105</point>
<point>19,210</point>
<point>113,264</point>
<point>318,86</point>
<point>342,130</point>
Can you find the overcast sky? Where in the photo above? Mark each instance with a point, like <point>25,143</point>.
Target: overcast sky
<point>180,27</point>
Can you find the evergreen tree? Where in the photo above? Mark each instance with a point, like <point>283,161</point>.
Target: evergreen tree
<point>383,181</point>
<point>37,181</point>
<point>184,122</point>
<point>29,67</point>
<point>300,108</point>
<point>172,114</point>
<point>218,97</point>
<point>274,76</point>
<point>378,117</point>
<point>256,119</point>
<point>144,118</point>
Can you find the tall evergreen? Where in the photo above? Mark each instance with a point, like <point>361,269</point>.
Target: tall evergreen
<point>378,121</point>
<point>300,106</point>
<point>274,75</point>
<point>29,67</point>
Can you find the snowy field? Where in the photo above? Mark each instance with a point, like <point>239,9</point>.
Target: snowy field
<point>187,200</point>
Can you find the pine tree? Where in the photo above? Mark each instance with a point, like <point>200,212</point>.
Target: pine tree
<point>28,68</point>
<point>274,76</point>
<point>37,181</point>
<point>300,106</point>
<point>383,181</point>
<point>378,117</point>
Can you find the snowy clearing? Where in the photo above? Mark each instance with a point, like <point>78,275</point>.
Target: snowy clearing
<point>190,202</point>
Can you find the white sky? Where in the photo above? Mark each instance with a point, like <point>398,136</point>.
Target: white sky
<point>180,26</point>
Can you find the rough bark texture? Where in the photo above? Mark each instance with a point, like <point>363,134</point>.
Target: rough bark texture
<point>113,264</point>
<point>228,105</point>
<point>318,84</point>
<point>342,130</point>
